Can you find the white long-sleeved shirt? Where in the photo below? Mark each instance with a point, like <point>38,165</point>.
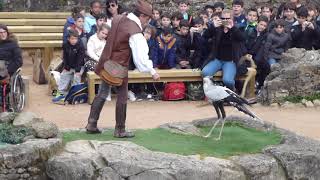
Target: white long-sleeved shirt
<point>140,49</point>
<point>95,47</point>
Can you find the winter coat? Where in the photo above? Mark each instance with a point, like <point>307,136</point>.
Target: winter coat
<point>183,47</point>
<point>316,41</point>
<point>302,39</point>
<point>89,21</point>
<point>73,56</point>
<point>70,22</point>
<point>255,45</point>
<point>276,44</point>
<point>240,21</point>
<point>201,50</point>
<point>165,53</point>
<point>11,53</point>
<point>237,39</point>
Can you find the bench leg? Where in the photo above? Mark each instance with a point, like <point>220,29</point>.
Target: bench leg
<point>47,57</point>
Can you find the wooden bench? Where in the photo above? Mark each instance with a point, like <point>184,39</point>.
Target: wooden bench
<point>37,30</point>
<point>185,75</point>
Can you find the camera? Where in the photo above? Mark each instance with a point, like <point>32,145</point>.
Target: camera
<point>225,23</point>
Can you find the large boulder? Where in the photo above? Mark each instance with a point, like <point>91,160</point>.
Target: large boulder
<point>125,160</point>
<point>45,129</point>
<point>297,74</point>
<point>26,119</point>
<point>7,117</point>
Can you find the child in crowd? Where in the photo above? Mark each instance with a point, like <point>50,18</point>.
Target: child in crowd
<point>218,7</point>
<point>278,41</point>
<point>209,8</point>
<point>95,47</point>
<point>165,54</point>
<point>78,27</point>
<point>312,12</point>
<point>199,43</point>
<point>100,19</point>
<point>252,17</point>
<point>183,45</point>
<point>238,16</point>
<point>175,19</point>
<point>289,14</point>
<point>303,31</point>
<point>183,6</point>
<point>205,17</point>
<point>73,60</point>
<point>267,12</point>
<point>165,23</point>
<point>255,47</point>
<point>90,20</point>
<point>155,21</point>
<point>70,20</point>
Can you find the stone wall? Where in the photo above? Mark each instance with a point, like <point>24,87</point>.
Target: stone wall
<point>66,5</point>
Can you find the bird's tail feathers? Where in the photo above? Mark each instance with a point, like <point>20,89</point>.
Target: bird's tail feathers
<point>244,109</point>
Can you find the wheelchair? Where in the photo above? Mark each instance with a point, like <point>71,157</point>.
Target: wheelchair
<point>12,93</point>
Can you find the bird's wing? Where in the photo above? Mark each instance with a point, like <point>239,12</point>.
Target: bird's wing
<point>216,94</point>
<point>238,98</point>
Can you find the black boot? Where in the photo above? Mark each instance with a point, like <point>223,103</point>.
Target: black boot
<point>95,111</point>
<point>120,128</point>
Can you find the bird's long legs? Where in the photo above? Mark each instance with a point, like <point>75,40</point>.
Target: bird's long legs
<point>220,105</point>
<point>217,108</point>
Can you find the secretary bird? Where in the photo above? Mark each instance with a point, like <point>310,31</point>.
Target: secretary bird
<point>218,95</point>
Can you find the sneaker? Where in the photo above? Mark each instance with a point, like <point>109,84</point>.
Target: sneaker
<point>58,99</point>
<point>109,97</point>
<point>131,96</point>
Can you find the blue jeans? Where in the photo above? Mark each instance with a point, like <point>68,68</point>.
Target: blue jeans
<point>228,68</point>
<point>272,61</point>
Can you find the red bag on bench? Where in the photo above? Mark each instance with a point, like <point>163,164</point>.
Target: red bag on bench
<point>174,91</point>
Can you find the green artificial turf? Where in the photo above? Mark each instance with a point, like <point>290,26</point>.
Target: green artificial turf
<point>235,140</point>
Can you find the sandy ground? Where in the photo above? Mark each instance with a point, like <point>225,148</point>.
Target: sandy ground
<point>152,114</point>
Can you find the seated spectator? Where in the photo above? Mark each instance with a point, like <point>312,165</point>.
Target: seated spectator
<point>175,20</point>
<point>183,6</point>
<point>90,18</point>
<point>164,23</point>
<point>218,7</point>
<point>252,18</point>
<point>165,54</point>
<point>303,32</point>
<point>199,43</point>
<point>73,60</point>
<point>238,14</point>
<point>112,9</point>
<point>278,41</point>
<point>10,53</point>
<point>267,11</point>
<point>78,27</point>
<point>312,12</point>
<point>155,21</point>
<point>70,20</point>
<point>280,13</point>
<point>183,46</point>
<point>95,47</point>
<point>101,19</point>
<point>225,50</point>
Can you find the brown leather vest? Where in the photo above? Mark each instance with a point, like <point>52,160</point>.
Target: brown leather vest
<point>121,30</point>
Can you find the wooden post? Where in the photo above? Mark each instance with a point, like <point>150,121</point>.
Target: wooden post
<point>47,57</point>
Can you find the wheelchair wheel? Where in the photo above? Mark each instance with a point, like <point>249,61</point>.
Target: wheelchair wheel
<point>17,93</point>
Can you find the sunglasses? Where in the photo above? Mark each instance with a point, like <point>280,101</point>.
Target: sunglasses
<point>111,5</point>
<point>225,18</point>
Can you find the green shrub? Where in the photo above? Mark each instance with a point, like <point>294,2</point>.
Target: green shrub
<point>13,135</point>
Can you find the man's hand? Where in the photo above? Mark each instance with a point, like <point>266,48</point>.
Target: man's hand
<point>156,77</point>
<point>230,24</point>
<point>217,23</point>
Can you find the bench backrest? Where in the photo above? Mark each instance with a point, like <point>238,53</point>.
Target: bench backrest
<point>36,29</point>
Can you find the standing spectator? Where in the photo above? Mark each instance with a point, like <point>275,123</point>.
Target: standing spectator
<point>112,9</point>
<point>90,19</point>
<point>165,23</point>
<point>238,15</point>
<point>73,60</point>
<point>101,19</point>
<point>183,6</point>
<point>183,45</point>
<point>175,19</point>
<point>218,7</point>
<point>165,56</point>
<point>156,14</point>
<point>78,27</point>
<point>289,14</point>
<point>303,32</point>
<point>10,52</point>
<point>278,41</point>
<point>199,43</point>
<point>209,8</point>
<point>225,50</point>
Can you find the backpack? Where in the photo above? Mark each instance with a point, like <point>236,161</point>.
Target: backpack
<point>174,91</point>
<point>77,94</point>
<point>195,91</point>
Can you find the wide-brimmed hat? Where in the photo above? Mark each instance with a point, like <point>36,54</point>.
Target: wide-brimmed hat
<point>144,7</point>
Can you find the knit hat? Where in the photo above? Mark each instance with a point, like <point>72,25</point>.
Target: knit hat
<point>144,7</point>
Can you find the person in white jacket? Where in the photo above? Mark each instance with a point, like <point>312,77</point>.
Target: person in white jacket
<point>95,47</point>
